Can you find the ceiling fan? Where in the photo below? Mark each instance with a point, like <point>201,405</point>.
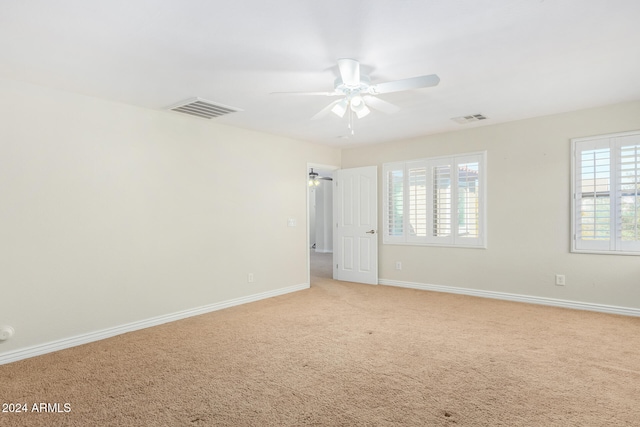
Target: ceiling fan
<point>358,94</point>
<point>314,178</point>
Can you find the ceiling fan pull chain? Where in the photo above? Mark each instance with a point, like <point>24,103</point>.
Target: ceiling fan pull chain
<point>350,124</point>
<point>353,131</point>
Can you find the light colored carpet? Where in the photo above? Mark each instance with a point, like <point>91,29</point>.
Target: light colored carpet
<point>344,354</point>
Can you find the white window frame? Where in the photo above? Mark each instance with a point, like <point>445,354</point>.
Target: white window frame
<point>615,245</point>
<point>454,240</point>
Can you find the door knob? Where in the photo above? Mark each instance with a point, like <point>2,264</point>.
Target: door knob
<point>371,232</point>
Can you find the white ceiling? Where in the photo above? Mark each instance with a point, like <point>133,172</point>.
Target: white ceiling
<point>506,59</point>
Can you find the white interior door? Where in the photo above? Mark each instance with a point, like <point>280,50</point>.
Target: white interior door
<point>355,202</point>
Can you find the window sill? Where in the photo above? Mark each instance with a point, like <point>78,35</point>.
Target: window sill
<point>593,252</point>
<point>436,245</point>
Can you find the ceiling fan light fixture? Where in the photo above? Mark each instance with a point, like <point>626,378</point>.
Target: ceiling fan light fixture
<point>359,107</point>
<point>340,108</point>
<point>356,103</point>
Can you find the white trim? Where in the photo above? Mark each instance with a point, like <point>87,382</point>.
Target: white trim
<point>40,349</point>
<point>573,219</point>
<point>602,308</point>
<point>606,135</point>
<point>439,245</point>
<point>597,252</point>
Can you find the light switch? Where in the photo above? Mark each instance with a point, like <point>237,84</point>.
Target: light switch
<point>291,222</point>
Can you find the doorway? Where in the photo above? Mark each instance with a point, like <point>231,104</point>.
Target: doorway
<point>320,221</point>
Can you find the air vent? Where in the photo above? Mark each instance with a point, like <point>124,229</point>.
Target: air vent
<point>203,108</point>
<point>469,119</point>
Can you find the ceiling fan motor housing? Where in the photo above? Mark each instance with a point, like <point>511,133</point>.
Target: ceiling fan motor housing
<point>350,91</point>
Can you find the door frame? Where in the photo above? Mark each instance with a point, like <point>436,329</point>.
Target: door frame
<point>320,166</point>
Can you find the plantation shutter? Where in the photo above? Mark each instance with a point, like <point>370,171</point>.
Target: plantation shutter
<point>394,185</point>
<point>593,195</point>
<point>417,221</point>
<point>468,201</point>
<point>441,201</point>
<point>436,201</point>
<point>606,205</point>
<point>628,193</point>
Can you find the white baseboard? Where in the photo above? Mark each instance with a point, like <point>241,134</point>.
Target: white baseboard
<point>611,309</point>
<point>37,350</point>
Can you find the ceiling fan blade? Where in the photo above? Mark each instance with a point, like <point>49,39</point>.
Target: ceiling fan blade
<point>325,110</point>
<point>405,84</point>
<point>380,105</point>
<point>349,71</point>
<point>334,93</point>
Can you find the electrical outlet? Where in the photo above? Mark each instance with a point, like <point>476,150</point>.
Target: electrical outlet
<point>560,281</point>
<point>398,265</point>
<point>250,277</point>
<point>6,332</point>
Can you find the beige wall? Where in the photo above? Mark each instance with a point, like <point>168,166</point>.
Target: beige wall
<point>528,212</point>
<point>111,214</point>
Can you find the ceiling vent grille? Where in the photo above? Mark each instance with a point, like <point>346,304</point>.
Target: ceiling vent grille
<point>203,108</point>
<point>469,119</point>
